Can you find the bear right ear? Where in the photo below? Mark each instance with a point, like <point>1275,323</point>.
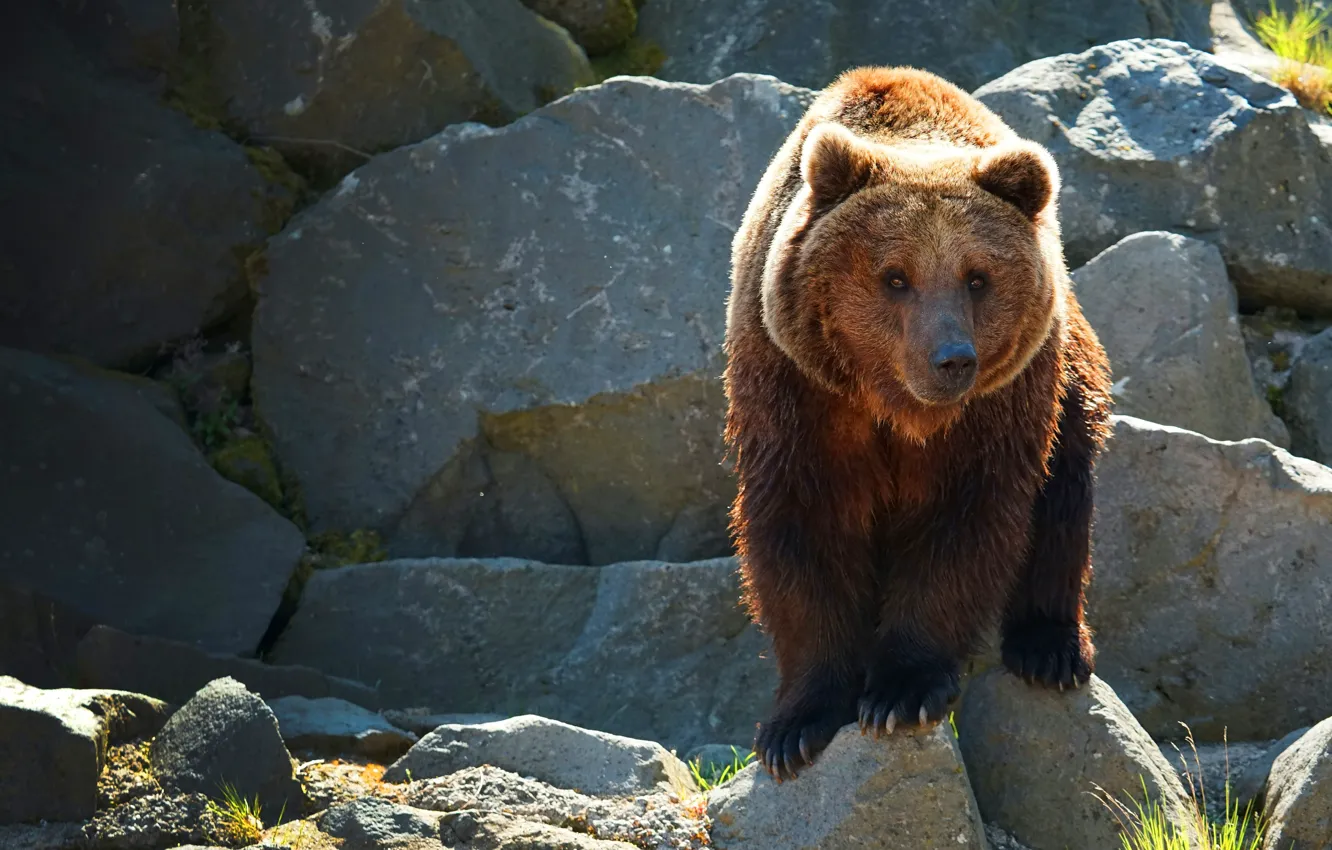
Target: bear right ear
<point>834,163</point>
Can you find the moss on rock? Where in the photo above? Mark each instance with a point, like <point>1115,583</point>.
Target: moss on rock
<point>249,463</point>
<point>638,57</point>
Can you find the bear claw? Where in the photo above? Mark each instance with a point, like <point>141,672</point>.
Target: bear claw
<point>923,695</point>
<point>1055,655</point>
<point>791,742</point>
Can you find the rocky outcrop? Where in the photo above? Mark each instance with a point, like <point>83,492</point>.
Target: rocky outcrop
<point>125,227</point>
<point>552,752</point>
<point>1166,313</point>
<point>656,651</point>
<point>540,324</point>
<point>227,737</point>
<point>1150,135</point>
<point>1309,399</point>
<point>53,746</point>
<point>1296,801</point>
<point>105,499</point>
<point>1031,752</point>
<point>1212,577</point>
<point>173,671</point>
<point>331,84</point>
<point>910,787</point>
<point>331,726</point>
<point>809,44</point>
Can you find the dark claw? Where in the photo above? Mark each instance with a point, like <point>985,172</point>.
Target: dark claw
<point>1045,652</point>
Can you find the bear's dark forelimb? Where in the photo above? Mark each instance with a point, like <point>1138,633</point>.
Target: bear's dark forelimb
<point>1044,638</point>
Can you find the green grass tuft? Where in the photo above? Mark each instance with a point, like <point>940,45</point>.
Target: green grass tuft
<point>716,775</point>
<point>1147,825</point>
<point>1303,40</point>
<point>240,821</point>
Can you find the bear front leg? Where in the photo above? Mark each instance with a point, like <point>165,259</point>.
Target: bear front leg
<point>1045,640</point>
<point>808,578</point>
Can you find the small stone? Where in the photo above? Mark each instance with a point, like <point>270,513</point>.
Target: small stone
<point>331,726</point>
<point>555,753</point>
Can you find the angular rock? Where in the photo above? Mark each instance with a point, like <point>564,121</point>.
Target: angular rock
<point>53,746</point>
<point>860,791</point>
<point>1213,564</point>
<point>661,652</point>
<point>335,727</point>
<point>373,823</point>
<point>1031,752</point>
<point>1151,135</point>
<point>325,82</point>
<point>174,671</point>
<point>648,820</point>
<point>1309,400</point>
<point>1296,802</point>
<point>227,736</point>
<point>562,366</point>
<point>809,44</point>
<point>104,501</point>
<point>599,26</point>
<point>39,637</point>
<point>1167,316</point>
<point>125,227</point>
<point>556,753</point>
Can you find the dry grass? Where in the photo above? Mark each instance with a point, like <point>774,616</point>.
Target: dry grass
<point>1304,43</point>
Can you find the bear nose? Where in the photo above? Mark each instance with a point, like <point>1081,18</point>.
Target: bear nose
<point>956,360</point>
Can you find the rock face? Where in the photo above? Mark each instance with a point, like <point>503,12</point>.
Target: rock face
<point>227,735</point>
<point>1296,801</point>
<point>598,25</point>
<point>125,227</point>
<point>1150,135</point>
<point>365,75</point>
<point>1212,585</point>
<point>539,326</point>
<point>809,44</point>
<point>860,791</point>
<point>53,745</point>
<point>39,637</point>
<point>104,500</point>
<point>1309,400</point>
<point>1166,313</point>
<point>175,671</point>
<point>647,650</point>
<point>555,753</point>
<point>333,726</point>
<point>1031,752</point>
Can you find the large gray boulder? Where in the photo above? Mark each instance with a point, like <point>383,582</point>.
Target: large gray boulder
<point>1296,801</point>
<point>108,507</point>
<point>53,746</point>
<point>124,227</point>
<point>1166,313</point>
<point>555,753</point>
<point>661,652</point>
<point>1151,135</point>
<point>1309,399</point>
<point>808,44</point>
<point>906,791</point>
<point>1213,574</point>
<point>538,316</point>
<point>1031,752</point>
<point>226,737</point>
<point>331,83</point>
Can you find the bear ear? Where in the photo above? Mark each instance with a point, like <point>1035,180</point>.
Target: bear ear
<point>1022,173</point>
<point>834,163</point>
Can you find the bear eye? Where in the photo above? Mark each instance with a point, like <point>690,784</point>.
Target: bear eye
<point>978,281</point>
<point>895,278</point>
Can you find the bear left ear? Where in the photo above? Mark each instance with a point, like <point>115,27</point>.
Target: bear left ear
<point>1022,173</point>
<point>834,163</point>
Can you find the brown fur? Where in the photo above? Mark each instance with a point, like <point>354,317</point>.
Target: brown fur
<point>889,510</point>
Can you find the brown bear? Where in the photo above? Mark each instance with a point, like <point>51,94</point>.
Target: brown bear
<point>915,406</point>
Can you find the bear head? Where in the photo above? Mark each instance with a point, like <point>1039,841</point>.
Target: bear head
<point>915,276</point>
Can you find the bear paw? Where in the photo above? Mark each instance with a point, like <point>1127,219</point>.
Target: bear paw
<point>1056,655</point>
<point>791,740</point>
<point>907,696</point>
